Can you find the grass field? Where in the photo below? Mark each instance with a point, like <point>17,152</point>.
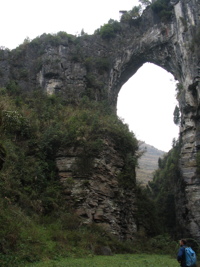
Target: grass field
<point>126,260</point>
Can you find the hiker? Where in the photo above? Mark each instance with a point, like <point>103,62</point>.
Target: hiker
<point>181,253</point>
<point>186,256</point>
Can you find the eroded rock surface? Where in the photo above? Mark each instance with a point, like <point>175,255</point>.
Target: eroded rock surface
<point>95,192</point>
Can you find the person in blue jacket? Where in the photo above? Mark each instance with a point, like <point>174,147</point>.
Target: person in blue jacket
<point>181,253</point>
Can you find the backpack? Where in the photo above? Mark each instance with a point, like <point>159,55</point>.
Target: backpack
<point>190,257</point>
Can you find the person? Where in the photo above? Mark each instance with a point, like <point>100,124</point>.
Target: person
<point>181,253</point>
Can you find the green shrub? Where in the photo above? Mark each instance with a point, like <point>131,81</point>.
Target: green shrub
<point>109,30</point>
<point>127,177</point>
<point>92,82</point>
<point>177,115</point>
<point>89,63</point>
<point>132,15</point>
<point>101,64</point>
<point>13,88</point>
<point>163,9</point>
<point>14,123</point>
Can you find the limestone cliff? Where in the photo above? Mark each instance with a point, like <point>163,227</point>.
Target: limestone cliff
<point>95,191</point>
<point>98,67</point>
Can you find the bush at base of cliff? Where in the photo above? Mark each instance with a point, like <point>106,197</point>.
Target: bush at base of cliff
<point>30,239</point>
<point>35,217</point>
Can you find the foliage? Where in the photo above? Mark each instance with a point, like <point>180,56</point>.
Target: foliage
<point>39,43</point>
<point>161,190</point>
<point>163,9</point>
<point>15,123</point>
<point>133,14</point>
<point>179,90</point>
<point>37,221</point>
<point>136,12</point>
<point>110,30</point>
<point>13,88</point>
<point>95,89</point>
<point>28,239</point>
<point>102,64</point>
<point>176,115</point>
<point>146,214</point>
<point>60,38</point>
<point>127,177</point>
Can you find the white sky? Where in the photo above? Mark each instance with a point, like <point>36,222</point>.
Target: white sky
<point>146,107</point>
<point>147,102</point>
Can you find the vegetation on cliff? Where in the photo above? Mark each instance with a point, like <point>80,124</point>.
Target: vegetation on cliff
<point>162,190</point>
<point>163,9</point>
<point>36,219</point>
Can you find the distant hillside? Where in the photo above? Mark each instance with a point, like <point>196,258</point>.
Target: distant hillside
<point>148,163</point>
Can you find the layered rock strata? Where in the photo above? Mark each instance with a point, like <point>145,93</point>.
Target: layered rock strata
<point>94,190</point>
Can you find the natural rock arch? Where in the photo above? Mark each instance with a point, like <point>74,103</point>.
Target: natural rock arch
<point>77,68</point>
<point>171,46</point>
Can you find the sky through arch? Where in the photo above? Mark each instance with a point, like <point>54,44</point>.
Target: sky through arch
<point>146,103</point>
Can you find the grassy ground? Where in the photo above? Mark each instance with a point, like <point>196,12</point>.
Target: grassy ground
<point>126,260</point>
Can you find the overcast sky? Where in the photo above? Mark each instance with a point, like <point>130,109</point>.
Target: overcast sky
<point>146,101</point>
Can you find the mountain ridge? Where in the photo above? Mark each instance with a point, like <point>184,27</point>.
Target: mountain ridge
<point>148,162</point>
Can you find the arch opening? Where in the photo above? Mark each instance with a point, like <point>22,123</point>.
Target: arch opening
<point>146,103</point>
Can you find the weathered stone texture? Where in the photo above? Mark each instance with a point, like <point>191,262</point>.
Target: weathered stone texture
<point>96,195</point>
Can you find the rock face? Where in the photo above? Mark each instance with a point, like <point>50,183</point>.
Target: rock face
<point>95,196</point>
<point>98,67</point>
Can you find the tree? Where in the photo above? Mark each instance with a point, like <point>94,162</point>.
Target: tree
<point>132,14</point>
<point>176,115</point>
<point>110,29</point>
<point>162,189</point>
<point>136,12</point>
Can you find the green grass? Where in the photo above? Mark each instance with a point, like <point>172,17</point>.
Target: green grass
<point>125,260</point>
